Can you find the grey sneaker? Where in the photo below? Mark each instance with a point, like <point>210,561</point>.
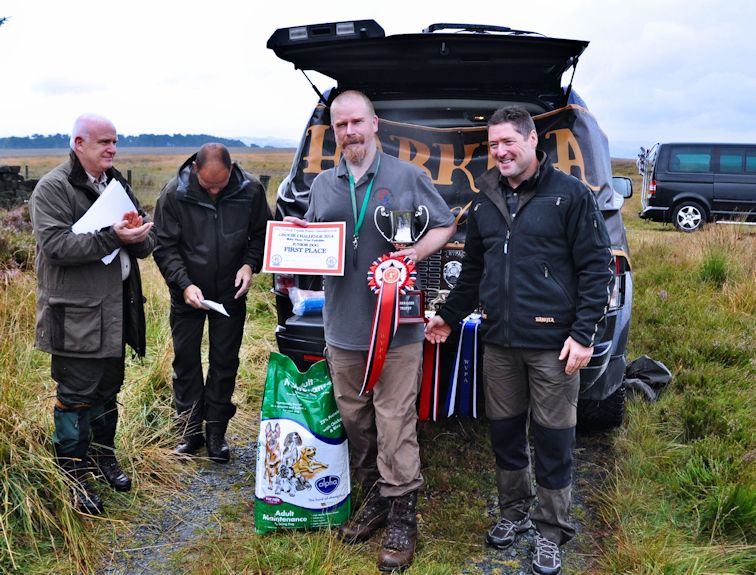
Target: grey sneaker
<point>547,559</point>
<point>503,534</point>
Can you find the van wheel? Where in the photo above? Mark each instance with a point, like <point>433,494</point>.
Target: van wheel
<point>600,415</point>
<point>689,217</point>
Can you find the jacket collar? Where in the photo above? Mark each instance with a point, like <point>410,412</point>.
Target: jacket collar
<point>532,181</point>
<point>490,181</point>
<point>80,180</point>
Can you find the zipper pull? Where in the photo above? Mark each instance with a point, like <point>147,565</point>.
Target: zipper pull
<point>506,242</point>
<point>559,200</point>
<point>545,271</point>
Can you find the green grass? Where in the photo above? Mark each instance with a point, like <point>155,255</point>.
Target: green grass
<point>679,496</point>
<point>683,496</point>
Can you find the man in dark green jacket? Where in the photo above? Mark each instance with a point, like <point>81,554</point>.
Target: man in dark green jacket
<point>538,261</point>
<point>211,221</point>
<point>88,310</point>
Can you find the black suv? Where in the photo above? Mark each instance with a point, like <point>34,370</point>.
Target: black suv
<point>690,184</point>
<point>434,92</point>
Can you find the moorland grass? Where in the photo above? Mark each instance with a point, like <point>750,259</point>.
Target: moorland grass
<point>679,496</point>
<point>683,491</point>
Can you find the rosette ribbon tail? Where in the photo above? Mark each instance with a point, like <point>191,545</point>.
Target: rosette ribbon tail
<point>385,324</point>
<point>428,405</point>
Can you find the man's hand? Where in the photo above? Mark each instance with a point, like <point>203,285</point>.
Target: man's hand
<point>577,355</point>
<point>193,297</point>
<point>243,280</point>
<point>402,251</point>
<point>430,243</point>
<point>299,221</point>
<point>437,330</point>
<point>132,229</point>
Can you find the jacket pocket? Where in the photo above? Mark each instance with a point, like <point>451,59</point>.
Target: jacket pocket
<point>552,279</point>
<point>544,217</point>
<point>76,324</point>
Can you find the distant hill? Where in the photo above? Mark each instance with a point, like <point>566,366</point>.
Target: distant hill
<point>142,140</point>
<point>270,142</point>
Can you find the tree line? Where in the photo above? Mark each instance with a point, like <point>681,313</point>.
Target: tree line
<point>142,140</point>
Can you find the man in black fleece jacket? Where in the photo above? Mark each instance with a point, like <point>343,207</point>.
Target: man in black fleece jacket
<point>538,262</point>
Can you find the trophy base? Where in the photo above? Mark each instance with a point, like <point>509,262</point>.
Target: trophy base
<point>412,307</point>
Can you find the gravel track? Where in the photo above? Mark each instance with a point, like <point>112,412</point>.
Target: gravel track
<point>165,534</point>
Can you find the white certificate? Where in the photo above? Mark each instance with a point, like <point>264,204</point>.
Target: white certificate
<point>109,208</point>
<point>315,249</point>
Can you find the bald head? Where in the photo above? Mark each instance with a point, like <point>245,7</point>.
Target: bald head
<point>213,152</point>
<point>354,95</point>
<point>213,168</point>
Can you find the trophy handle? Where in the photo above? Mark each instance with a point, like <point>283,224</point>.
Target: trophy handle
<point>418,213</point>
<point>384,214</point>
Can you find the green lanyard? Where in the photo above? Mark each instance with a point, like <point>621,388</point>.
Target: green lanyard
<point>358,220</point>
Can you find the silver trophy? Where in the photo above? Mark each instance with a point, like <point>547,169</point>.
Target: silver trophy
<point>403,225</point>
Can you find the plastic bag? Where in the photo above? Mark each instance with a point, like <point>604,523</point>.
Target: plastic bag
<point>306,302</point>
<point>302,478</point>
<point>647,377</point>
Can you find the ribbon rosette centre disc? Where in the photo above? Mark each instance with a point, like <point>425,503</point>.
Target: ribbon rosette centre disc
<point>392,271</point>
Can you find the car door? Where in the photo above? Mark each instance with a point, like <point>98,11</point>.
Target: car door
<point>735,183</point>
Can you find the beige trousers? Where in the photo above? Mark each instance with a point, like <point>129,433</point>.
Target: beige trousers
<point>381,426</point>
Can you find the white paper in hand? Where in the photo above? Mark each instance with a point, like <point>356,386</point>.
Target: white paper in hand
<point>107,209</point>
<point>215,306</point>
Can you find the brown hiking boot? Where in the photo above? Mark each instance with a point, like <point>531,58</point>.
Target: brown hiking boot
<point>398,548</point>
<point>368,519</point>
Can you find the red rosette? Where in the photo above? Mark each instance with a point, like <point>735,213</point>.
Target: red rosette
<point>388,277</point>
<point>392,270</point>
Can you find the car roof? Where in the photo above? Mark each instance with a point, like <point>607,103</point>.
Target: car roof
<point>473,59</point>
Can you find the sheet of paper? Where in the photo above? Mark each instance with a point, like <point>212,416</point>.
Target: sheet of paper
<point>107,209</point>
<point>215,306</point>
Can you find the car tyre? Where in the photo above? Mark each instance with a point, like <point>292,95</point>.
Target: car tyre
<point>601,415</point>
<point>689,217</point>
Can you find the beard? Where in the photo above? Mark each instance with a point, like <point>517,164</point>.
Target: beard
<point>354,154</point>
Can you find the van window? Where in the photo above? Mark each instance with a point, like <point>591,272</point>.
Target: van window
<point>731,161</point>
<point>693,160</point>
<point>750,164</point>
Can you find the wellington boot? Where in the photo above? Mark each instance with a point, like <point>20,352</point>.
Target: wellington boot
<point>85,498</point>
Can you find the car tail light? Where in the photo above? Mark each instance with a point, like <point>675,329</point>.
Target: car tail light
<point>615,298</point>
<point>283,282</point>
<point>652,189</point>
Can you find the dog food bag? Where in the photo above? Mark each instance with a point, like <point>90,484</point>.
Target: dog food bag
<point>302,478</point>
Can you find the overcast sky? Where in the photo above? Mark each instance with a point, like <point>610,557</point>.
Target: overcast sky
<point>655,70</point>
